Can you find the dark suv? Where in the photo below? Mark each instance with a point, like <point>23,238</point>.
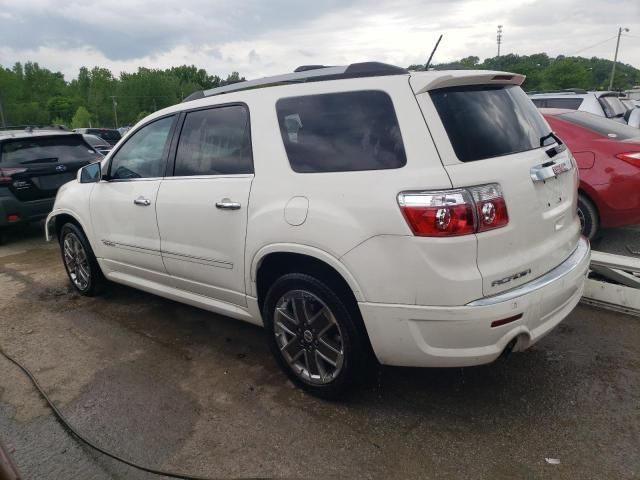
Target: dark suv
<point>110,135</point>
<point>33,165</point>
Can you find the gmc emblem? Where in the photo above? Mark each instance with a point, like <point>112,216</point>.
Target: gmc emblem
<point>515,276</point>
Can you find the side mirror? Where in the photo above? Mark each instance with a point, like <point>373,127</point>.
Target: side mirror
<point>634,118</point>
<point>90,173</point>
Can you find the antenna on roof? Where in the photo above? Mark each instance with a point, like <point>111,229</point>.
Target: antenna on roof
<point>426,66</point>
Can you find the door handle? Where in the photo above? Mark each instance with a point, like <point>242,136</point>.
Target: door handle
<point>226,204</point>
<point>144,202</point>
<point>549,170</point>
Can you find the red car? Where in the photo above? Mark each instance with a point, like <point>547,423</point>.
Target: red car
<point>608,156</point>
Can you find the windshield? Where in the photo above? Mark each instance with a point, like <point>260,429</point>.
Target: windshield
<point>485,121</point>
<point>612,106</point>
<point>61,148</point>
<point>603,126</point>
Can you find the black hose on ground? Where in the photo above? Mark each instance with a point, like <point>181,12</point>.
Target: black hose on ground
<point>67,426</point>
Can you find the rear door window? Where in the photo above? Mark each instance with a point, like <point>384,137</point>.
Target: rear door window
<point>215,141</point>
<point>601,125</point>
<point>484,121</point>
<point>341,132</point>
<point>55,149</point>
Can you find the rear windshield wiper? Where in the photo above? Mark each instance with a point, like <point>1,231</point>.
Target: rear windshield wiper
<point>40,160</point>
<point>553,151</point>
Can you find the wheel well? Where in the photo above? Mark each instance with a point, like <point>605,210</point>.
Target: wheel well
<point>586,195</point>
<point>274,265</point>
<point>65,218</point>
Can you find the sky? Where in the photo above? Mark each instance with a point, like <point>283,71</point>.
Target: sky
<point>258,38</point>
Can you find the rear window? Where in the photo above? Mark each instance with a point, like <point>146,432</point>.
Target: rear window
<point>61,148</point>
<point>601,125</point>
<point>484,121</point>
<point>567,103</point>
<point>341,132</point>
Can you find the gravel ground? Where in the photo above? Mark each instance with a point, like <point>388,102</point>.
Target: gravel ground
<point>179,388</point>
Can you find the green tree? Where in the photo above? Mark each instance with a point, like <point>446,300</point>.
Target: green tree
<point>81,118</point>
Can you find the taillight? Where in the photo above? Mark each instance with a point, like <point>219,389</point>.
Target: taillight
<point>490,206</point>
<point>632,157</point>
<point>454,212</point>
<point>6,173</point>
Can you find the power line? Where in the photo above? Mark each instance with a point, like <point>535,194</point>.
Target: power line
<point>594,45</point>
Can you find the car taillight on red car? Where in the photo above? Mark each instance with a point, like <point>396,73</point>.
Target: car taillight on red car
<point>631,157</point>
<point>454,212</point>
<point>6,174</point>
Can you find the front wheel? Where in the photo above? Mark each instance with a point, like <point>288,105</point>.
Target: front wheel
<point>79,261</point>
<point>313,334</point>
<point>588,216</point>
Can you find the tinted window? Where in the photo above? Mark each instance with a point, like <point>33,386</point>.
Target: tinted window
<point>110,135</point>
<point>601,125</point>
<point>489,121</point>
<point>143,155</point>
<point>60,148</point>
<point>215,142</point>
<point>95,140</point>
<point>340,132</point>
<point>567,103</point>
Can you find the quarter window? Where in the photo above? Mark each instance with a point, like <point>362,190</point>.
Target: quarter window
<point>341,132</point>
<point>216,141</point>
<point>144,154</point>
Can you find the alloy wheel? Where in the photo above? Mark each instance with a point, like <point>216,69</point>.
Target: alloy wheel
<point>309,337</point>
<point>76,261</point>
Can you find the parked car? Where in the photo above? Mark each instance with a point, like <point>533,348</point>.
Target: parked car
<point>110,135</point>
<point>429,218</point>
<point>604,104</point>
<point>98,143</point>
<point>34,163</point>
<point>608,156</point>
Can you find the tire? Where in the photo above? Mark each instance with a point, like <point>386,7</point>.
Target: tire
<point>79,261</point>
<point>314,336</point>
<point>588,214</point>
<point>4,236</point>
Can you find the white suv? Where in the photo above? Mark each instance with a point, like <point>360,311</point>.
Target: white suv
<point>603,104</point>
<point>428,218</point>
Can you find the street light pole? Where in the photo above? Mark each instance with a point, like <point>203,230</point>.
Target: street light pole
<point>499,38</point>
<point>115,109</point>
<point>615,57</point>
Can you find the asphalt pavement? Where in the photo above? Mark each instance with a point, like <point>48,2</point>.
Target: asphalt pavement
<point>179,388</point>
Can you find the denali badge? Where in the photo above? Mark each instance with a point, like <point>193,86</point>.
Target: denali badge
<point>515,276</point>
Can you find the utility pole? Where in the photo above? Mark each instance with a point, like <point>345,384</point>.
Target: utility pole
<point>115,109</point>
<point>499,38</point>
<point>615,57</point>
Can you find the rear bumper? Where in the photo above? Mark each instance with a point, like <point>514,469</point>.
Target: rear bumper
<point>26,211</point>
<point>420,336</point>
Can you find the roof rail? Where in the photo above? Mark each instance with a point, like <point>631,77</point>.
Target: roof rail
<point>306,73</point>
<point>566,90</point>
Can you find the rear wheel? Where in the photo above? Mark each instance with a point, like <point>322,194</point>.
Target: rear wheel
<point>313,335</point>
<point>79,261</point>
<point>588,216</point>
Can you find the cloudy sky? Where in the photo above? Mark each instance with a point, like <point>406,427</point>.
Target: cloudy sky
<point>265,37</point>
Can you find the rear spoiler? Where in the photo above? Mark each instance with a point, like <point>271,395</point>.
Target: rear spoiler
<point>425,81</point>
